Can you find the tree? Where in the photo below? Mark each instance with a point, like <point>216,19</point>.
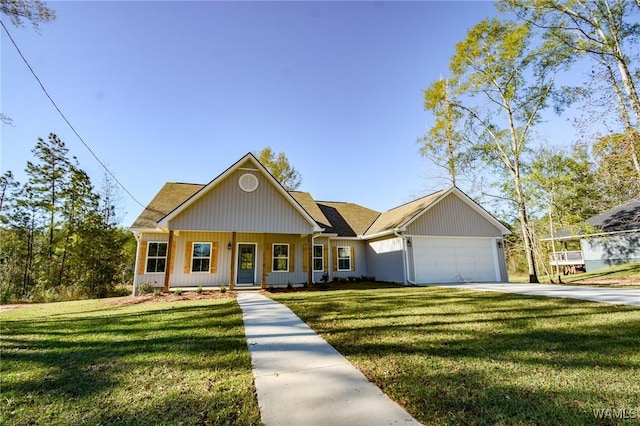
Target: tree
<point>500,83</point>
<point>58,237</point>
<point>34,11</point>
<point>49,179</point>
<point>280,168</point>
<point>444,144</point>
<point>616,174</point>
<point>608,32</point>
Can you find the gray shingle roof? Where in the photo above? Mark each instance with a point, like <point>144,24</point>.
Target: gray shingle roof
<point>344,219</point>
<point>625,217</point>
<point>398,216</point>
<point>170,196</point>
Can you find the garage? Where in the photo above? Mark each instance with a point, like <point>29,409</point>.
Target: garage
<point>454,259</point>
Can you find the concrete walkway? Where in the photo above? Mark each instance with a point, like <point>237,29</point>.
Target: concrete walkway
<point>620,296</point>
<point>301,379</point>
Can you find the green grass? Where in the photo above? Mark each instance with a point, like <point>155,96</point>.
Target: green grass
<point>460,357</point>
<point>628,272</point>
<point>89,362</point>
<point>627,276</point>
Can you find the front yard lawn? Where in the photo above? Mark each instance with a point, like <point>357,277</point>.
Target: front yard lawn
<point>461,357</point>
<point>91,362</point>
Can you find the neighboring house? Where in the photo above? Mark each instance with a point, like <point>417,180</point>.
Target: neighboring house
<point>614,241</point>
<point>244,229</point>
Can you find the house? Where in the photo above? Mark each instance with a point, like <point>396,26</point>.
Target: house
<point>615,240</point>
<point>244,229</point>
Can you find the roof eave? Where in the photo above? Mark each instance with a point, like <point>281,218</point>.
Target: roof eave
<point>164,222</point>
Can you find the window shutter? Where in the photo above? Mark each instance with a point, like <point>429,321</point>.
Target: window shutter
<point>172,255</point>
<point>305,257</point>
<point>188,251</point>
<point>267,254</point>
<point>335,258</point>
<point>325,260</point>
<point>142,258</point>
<point>213,264</point>
<point>353,258</point>
<point>292,257</point>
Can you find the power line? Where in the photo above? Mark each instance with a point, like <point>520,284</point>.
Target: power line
<point>67,121</point>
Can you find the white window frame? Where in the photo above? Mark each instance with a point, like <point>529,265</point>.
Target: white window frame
<point>193,257</point>
<point>146,262</point>
<point>274,258</point>
<point>314,258</point>
<point>348,249</point>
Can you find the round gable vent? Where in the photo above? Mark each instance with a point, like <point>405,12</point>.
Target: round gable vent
<point>248,182</point>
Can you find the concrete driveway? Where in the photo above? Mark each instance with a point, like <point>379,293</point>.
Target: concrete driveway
<point>619,296</point>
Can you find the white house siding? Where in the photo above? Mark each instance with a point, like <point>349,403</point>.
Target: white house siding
<point>179,278</point>
<point>604,252</point>
<point>360,253</point>
<point>296,274</point>
<point>156,279</point>
<point>226,207</point>
<point>385,260</point>
<point>263,242</point>
<point>453,217</point>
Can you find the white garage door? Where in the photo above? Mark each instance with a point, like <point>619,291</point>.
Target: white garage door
<point>445,260</point>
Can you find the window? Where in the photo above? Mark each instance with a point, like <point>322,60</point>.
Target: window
<point>344,258</point>
<point>318,257</point>
<point>201,257</point>
<point>156,257</point>
<point>281,257</point>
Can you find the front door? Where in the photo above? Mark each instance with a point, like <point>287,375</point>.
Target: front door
<point>246,263</point>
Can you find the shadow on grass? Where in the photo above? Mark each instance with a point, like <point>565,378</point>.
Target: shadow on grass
<point>78,360</point>
<point>460,357</point>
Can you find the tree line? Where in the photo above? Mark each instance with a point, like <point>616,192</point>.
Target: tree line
<point>59,236</point>
<point>503,78</point>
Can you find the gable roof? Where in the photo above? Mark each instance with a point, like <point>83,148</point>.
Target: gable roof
<point>170,195</point>
<point>331,217</point>
<point>620,219</point>
<point>248,158</point>
<point>625,217</point>
<point>348,219</point>
<point>344,219</point>
<point>398,218</point>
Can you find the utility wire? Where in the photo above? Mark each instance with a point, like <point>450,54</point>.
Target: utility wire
<point>67,121</point>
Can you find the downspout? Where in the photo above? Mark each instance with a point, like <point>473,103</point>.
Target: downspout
<point>405,257</point>
<point>135,268</point>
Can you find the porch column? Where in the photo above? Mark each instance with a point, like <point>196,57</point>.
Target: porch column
<point>233,261</point>
<point>310,260</point>
<point>167,266</point>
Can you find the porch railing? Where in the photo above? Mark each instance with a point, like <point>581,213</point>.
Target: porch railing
<point>566,258</point>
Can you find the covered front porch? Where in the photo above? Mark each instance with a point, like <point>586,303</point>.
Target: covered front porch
<point>237,259</point>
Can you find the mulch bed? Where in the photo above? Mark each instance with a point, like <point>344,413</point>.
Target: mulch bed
<point>171,297</point>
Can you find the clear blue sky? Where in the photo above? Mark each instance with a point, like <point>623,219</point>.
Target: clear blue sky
<point>178,91</point>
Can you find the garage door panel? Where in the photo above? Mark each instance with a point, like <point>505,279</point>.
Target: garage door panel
<point>453,259</point>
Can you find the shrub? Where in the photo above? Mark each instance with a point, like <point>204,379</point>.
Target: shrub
<point>325,277</point>
<point>177,291</point>
<point>343,280</point>
<point>199,289</point>
<point>157,292</point>
<point>145,288</point>
<point>223,289</point>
